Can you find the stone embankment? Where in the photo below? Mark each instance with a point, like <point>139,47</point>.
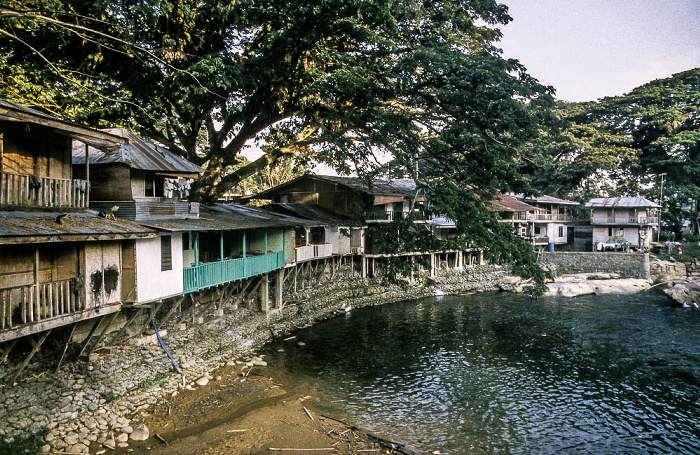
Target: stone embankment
<point>95,406</point>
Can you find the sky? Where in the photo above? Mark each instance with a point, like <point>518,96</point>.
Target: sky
<point>589,49</point>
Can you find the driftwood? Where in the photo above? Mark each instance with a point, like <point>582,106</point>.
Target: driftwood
<point>324,449</point>
<point>394,447</point>
<point>308,413</point>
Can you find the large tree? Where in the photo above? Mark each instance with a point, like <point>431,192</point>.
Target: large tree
<point>326,78</point>
<point>620,146</point>
<point>330,80</point>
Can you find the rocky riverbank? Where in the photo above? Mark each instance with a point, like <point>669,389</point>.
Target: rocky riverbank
<point>95,406</point>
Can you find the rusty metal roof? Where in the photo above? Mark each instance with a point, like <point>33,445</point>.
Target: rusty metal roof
<point>544,199</point>
<point>138,153</point>
<point>505,203</point>
<point>625,202</point>
<point>13,112</point>
<point>310,212</point>
<point>227,217</point>
<point>15,225</point>
<point>377,187</point>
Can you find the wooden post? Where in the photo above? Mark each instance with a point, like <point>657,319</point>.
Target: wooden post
<point>221,245</point>
<point>279,289</point>
<point>34,316</point>
<point>433,272</point>
<point>195,244</point>
<point>265,294</point>
<point>29,357</point>
<point>87,176</point>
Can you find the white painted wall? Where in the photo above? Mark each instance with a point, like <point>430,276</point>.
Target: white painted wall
<point>151,282</point>
<point>553,233</point>
<point>630,233</point>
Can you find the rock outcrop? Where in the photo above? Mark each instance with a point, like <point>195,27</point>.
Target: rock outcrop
<point>685,293</point>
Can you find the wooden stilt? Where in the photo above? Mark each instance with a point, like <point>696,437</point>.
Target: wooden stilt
<point>89,337</point>
<point>65,348</point>
<point>6,352</point>
<point>154,313</point>
<point>37,346</point>
<point>104,332</point>
<point>171,311</point>
<point>131,319</point>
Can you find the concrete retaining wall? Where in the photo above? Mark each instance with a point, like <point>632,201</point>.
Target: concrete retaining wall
<point>626,264</point>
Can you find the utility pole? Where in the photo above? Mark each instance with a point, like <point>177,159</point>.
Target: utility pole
<point>661,203</point>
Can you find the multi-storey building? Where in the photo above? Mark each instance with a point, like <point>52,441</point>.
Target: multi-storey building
<point>619,220</point>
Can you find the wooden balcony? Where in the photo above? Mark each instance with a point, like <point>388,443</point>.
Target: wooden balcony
<point>551,217</point>
<point>626,220</point>
<point>149,209</point>
<point>220,272</point>
<point>37,191</point>
<point>385,216</point>
<point>313,251</point>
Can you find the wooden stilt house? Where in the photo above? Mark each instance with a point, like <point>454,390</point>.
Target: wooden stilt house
<point>60,263</point>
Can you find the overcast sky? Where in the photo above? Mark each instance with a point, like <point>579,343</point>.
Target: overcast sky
<point>588,49</point>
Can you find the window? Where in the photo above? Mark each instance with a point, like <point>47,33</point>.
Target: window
<point>561,231</point>
<point>166,254</point>
<point>186,241</point>
<point>610,234</point>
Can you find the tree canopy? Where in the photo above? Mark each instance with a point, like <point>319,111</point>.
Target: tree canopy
<point>620,146</point>
<point>328,80</point>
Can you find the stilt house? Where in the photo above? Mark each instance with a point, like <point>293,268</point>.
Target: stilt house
<point>60,263</point>
<point>623,219</point>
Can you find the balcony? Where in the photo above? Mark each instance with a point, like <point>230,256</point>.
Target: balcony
<point>220,272</point>
<point>626,220</point>
<point>551,217</point>
<point>385,216</point>
<point>25,305</point>
<point>36,191</point>
<point>316,250</point>
<point>536,239</point>
<point>149,209</point>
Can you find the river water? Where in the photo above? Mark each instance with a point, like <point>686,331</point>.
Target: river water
<point>498,373</point>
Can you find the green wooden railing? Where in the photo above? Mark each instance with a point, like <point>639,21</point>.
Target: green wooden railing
<point>214,273</point>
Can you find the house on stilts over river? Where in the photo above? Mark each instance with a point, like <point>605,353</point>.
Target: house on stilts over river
<point>62,264</point>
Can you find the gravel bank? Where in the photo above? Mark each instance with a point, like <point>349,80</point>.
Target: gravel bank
<point>89,407</point>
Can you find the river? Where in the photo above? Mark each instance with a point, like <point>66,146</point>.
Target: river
<point>498,373</point>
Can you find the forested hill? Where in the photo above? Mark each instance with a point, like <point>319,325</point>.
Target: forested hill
<point>622,145</point>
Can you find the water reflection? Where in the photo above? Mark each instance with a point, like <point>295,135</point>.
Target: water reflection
<point>497,373</point>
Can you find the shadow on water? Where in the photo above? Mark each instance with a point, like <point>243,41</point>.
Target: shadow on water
<point>501,373</point>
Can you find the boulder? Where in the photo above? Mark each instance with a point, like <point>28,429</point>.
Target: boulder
<point>140,433</point>
<point>685,292</point>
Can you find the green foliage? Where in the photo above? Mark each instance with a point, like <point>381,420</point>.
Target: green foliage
<point>110,396</point>
<point>333,81</point>
<point>619,146</point>
<point>29,444</point>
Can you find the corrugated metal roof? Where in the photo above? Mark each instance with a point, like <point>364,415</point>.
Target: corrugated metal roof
<point>544,199</point>
<point>505,203</point>
<point>227,217</point>
<point>311,212</point>
<point>377,187</point>
<point>137,154</point>
<point>14,112</point>
<point>629,202</point>
<point>29,224</point>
